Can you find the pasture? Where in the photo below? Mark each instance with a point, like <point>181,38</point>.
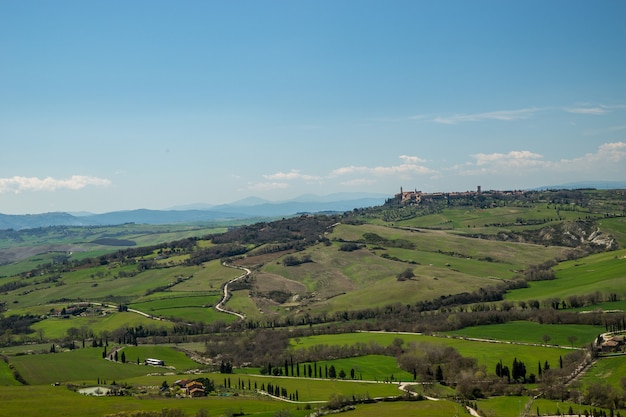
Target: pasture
<point>242,302</point>
<point>79,287</point>
<point>530,332</point>
<point>77,365</point>
<point>367,368</point>
<point>175,360</point>
<point>486,353</point>
<point>25,249</point>
<point>208,277</point>
<point>414,408</point>
<point>604,272</point>
<point>616,227</point>
<point>514,406</point>
<point>309,389</point>
<point>188,306</point>
<point>447,265</point>
<point>56,328</point>
<point>6,375</point>
<point>29,401</point>
<point>87,365</point>
<point>610,370</point>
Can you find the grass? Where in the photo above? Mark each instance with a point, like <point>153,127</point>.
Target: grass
<point>512,406</point>
<point>241,302</point>
<point>191,306</point>
<point>77,287</point>
<point>414,408</point>
<point>33,245</point>
<point>60,402</point>
<point>309,389</point>
<point>88,365</point>
<point>6,375</point>
<point>371,367</point>
<point>487,354</point>
<point>446,264</point>
<point>616,227</point>
<point>602,271</point>
<point>530,332</point>
<point>363,279</point>
<point>172,357</point>
<point>609,370</point>
<point>605,306</point>
<point>77,365</point>
<point>56,328</point>
<point>209,277</point>
<point>368,368</point>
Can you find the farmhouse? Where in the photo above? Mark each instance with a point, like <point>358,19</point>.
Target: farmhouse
<point>612,344</point>
<point>195,389</point>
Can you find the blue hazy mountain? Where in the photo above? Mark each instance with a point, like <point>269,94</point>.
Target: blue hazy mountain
<point>251,207</point>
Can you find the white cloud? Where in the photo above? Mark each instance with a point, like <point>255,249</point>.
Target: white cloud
<point>292,175</point>
<point>265,186</point>
<point>19,184</point>
<point>410,165</point>
<point>501,115</point>
<point>608,153</point>
<point>594,109</point>
<point>412,159</point>
<point>518,114</point>
<point>613,152</point>
<point>514,158</point>
<point>587,110</point>
<point>608,156</point>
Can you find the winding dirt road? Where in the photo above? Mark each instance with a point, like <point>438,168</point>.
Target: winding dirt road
<point>225,295</point>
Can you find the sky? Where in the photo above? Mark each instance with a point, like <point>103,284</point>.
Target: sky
<point>119,105</point>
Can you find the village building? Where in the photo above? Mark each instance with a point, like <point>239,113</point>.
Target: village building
<point>195,389</point>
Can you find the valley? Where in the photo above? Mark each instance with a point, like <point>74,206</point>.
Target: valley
<point>490,303</point>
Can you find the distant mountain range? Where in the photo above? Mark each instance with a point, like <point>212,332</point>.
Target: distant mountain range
<point>599,185</point>
<point>251,207</point>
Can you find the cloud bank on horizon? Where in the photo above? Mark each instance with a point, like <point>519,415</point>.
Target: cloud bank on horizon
<point>116,105</point>
<point>18,184</point>
<point>607,158</point>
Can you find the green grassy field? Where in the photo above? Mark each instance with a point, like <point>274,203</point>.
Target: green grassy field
<point>514,406</point>
<point>171,356</point>
<point>6,376</point>
<point>606,306</point>
<point>97,289</point>
<point>367,368</point>
<point>241,302</point>
<point>78,365</point>
<point>56,328</point>
<point>604,272</point>
<point>189,306</point>
<point>88,365</point>
<point>530,332</point>
<point>35,244</point>
<point>616,227</point>
<point>415,408</point>
<point>609,370</point>
<point>60,402</point>
<point>447,265</point>
<point>487,354</point>
<point>209,277</point>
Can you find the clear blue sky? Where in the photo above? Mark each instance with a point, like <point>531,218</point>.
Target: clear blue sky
<point>113,105</point>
